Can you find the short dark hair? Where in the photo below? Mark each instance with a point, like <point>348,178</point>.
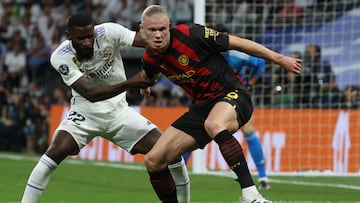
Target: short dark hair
<point>80,19</point>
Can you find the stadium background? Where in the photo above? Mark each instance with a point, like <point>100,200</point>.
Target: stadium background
<point>305,138</point>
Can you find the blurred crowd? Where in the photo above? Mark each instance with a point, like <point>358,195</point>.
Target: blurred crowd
<point>249,18</point>
<point>30,30</point>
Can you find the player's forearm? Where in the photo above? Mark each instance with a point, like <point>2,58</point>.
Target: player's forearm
<point>96,93</point>
<point>254,49</point>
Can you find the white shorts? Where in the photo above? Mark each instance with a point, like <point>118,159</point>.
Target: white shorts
<point>124,127</point>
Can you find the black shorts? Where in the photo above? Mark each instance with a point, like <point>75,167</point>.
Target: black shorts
<point>192,122</point>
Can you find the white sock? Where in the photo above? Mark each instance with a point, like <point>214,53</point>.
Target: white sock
<point>38,179</point>
<point>251,192</point>
<point>181,177</point>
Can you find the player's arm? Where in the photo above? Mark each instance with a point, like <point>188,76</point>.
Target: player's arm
<point>256,49</point>
<point>95,93</point>
<point>139,41</point>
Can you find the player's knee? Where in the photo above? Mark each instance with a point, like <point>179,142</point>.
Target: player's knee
<point>150,163</point>
<point>212,127</point>
<point>153,164</point>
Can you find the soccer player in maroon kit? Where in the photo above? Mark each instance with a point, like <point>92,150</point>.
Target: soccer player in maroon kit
<point>190,56</point>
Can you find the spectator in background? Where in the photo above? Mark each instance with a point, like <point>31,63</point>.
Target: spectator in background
<point>26,28</point>
<point>38,59</point>
<point>57,37</point>
<point>17,38</point>
<point>289,14</point>
<point>59,96</point>
<point>61,22</point>
<point>4,140</point>
<point>15,61</point>
<point>3,51</point>
<point>33,8</point>
<point>183,11</point>
<point>137,7</point>
<point>323,91</point>
<point>220,12</point>
<point>12,118</point>
<point>350,97</point>
<point>121,13</point>
<point>36,120</point>
<point>7,28</point>
<point>46,23</point>
<point>287,87</point>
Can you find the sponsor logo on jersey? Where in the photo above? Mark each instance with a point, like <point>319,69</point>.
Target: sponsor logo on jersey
<point>183,60</point>
<point>105,71</point>
<point>183,77</point>
<point>211,33</point>
<point>64,69</point>
<point>106,52</point>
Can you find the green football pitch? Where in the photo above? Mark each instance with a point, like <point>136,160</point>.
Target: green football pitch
<point>78,181</point>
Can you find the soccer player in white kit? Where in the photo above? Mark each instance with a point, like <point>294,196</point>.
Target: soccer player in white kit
<point>89,61</point>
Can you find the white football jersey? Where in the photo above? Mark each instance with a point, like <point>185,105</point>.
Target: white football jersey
<point>105,68</point>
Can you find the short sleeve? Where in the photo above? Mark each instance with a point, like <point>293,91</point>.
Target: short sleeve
<point>66,68</point>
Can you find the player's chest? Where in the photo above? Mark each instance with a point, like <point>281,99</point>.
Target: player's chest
<point>102,61</point>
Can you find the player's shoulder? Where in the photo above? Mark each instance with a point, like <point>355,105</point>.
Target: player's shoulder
<point>62,54</point>
<point>107,27</point>
<point>113,31</point>
<point>186,27</point>
<point>63,50</point>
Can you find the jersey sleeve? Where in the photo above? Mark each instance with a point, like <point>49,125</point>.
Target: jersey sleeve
<point>66,68</point>
<point>210,38</point>
<point>119,34</point>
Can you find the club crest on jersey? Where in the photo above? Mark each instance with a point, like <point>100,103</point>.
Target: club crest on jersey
<point>76,61</point>
<point>106,52</point>
<point>64,69</point>
<point>183,60</point>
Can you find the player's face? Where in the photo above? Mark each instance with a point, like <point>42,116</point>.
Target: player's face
<point>82,39</point>
<point>155,30</point>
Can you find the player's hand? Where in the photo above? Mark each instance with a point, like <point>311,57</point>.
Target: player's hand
<point>291,64</point>
<point>140,80</point>
<point>145,91</point>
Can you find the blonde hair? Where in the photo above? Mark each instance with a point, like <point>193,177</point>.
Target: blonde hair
<point>153,10</point>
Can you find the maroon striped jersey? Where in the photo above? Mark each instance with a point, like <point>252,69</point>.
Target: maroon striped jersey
<point>194,62</point>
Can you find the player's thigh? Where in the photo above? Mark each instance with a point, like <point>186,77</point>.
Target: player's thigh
<point>222,116</point>
<point>147,142</point>
<point>131,128</point>
<point>62,145</point>
<point>171,145</point>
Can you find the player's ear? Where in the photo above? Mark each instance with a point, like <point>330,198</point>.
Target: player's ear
<point>68,35</point>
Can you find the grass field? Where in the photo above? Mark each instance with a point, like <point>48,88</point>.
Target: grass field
<point>104,182</point>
